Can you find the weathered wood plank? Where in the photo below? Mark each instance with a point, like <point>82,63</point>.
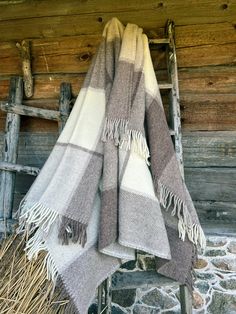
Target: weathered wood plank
<point>209,149</point>
<point>9,153</point>
<point>208,112</point>
<point>31,111</point>
<point>207,55</point>
<point>59,7</point>
<point>74,54</point>
<point>211,80</point>
<point>60,18</point>
<point>205,34</point>
<point>64,104</point>
<point>211,184</point>
<point>201,149</point>
<point>212,188</point>
<point>199,112</point>
<point>219,212</point>
<point>33,171</point>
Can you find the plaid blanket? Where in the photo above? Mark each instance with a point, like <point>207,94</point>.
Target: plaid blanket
<point>112,184</point>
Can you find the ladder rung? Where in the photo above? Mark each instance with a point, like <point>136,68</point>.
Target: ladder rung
<point>157,41</point>
<point>7,166</point>
<point>165,85</point>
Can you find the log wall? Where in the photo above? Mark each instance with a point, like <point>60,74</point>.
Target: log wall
<point>64,36</point>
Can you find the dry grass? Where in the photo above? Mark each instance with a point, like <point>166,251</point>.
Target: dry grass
<point>24,288</point>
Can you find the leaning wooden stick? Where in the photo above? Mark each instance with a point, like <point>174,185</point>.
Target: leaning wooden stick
<point>24,49</point>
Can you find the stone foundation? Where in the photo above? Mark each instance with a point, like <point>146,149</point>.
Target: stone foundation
<point>215,285</point>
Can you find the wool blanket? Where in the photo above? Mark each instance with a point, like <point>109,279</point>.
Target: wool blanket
<point>112,183</point>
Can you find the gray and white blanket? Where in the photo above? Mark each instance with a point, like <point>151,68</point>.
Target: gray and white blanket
<point>112,183</point>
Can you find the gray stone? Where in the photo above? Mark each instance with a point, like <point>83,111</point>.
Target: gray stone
<point>157,298</point>
<point>142,309</point>
<point>222,303</point>
<point>130,265</point>
<point>225,263</point>
<point>117,310</point>
<point>146,262</point>
<point>202,286</point>
<point>198,300</point>
<point>206,276</point>
<point>215,253</point>
<point>232,247</point>
<point>174,311</point>
<point>229,284</point>
<point>124,298</point>
<point>216,241</point>
<point>200,263</point>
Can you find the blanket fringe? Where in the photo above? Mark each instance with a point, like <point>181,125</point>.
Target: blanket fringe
<point>35,216</point>
<point>73,230</point>
<point>185,224</point>
<point>40,216</point>
<point>114,129</point>
<point>117,130</point>
<point>136,142</point>
<point>34,246</point>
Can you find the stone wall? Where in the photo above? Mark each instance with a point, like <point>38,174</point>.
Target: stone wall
<point>215,285</point>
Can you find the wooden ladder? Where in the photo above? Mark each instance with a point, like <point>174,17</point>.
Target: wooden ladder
<point>15,108</point>
<point>147,279</point>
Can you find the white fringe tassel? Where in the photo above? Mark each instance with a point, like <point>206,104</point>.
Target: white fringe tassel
<point>34,246</point>
<point>41,218</point>
<point>114,129</point>
<point>185,224</point>
<point>136,142</point>
<point>117,130</point>
<point>35,216</point>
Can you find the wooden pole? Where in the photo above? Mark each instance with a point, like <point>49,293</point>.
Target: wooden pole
<point>64,104</point>
<point>24,49</point>
<point>10,149</point>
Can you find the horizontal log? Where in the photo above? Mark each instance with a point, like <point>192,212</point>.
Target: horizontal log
<point>209,149</point>
<point>212,112</point>
<point>59,7</point>
<point>19,168</point>
<point>208,158</point>
<point>211,80</point>
<point>218,212</point>
<point>199,112</point>
<point>60,18</point>
<point>73,54</point>
<point>219,228</point>
<point>211,184</point>
<point>201,149</point>
<point>207,55</point>
<point>205,34</point>
<point>31,111</point>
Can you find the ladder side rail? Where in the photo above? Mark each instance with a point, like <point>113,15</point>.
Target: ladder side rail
<point>10,152</point>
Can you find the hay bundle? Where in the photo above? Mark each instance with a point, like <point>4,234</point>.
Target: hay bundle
<point>24,288</point>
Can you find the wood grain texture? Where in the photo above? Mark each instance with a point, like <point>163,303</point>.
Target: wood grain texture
<point>208,111</point>
<point>209,159</point>
<point>211,184</point>
<point>37,19</point>
<point>208,80</point>
<point>73,54</point>
<point>209,149</point>
<point>10,151</point>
